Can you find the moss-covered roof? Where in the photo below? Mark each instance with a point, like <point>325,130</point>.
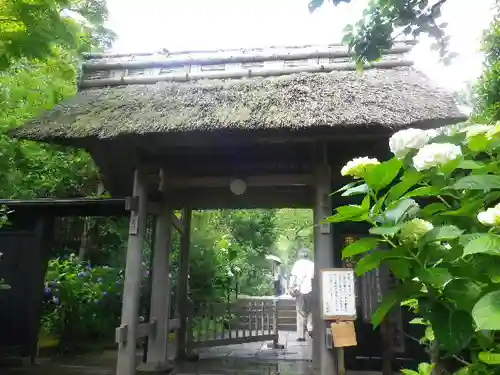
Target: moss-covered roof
<point>392,98</point>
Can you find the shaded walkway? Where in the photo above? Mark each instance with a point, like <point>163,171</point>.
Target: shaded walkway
<point>293,350</point>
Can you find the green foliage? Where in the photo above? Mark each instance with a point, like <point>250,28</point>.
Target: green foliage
<point>487,98</point>
<point>446,260</point>
<point>81,302</point>
<point>228,252</point>
<point>383,18</point>
<point>34,30</point>
<point>28,169</point>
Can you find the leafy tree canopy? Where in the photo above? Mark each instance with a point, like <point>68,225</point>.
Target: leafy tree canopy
<point>487,97</point>
<point>33,29</point>
<point>384,21</point>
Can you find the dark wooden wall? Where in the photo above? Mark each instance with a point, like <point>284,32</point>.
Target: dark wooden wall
<point>25,245</point>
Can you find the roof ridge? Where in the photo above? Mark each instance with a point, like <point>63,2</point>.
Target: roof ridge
<point>167,52</point>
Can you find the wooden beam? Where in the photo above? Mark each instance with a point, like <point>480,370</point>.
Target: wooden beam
<point>183,285</point>
<point>144,329</point>
<point>157,351</point>
<point>254,197</point>
<point>231,58</point>
<point>276,72</point>
<point>256,181</point>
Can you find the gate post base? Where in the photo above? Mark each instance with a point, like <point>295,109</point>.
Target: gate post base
<point>160,368</point>
<point>192,357</point>
<point>275,345</point>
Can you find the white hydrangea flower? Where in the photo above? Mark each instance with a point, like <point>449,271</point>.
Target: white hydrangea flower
<point>490,217</point>
<point>433,133</point>
<point>358,166</point>
<point>435,154</point>
<point>413,230</point>
<point>402,142</point>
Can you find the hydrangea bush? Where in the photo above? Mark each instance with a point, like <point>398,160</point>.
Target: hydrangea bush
<point>81,302</point>
<point>434,217</point>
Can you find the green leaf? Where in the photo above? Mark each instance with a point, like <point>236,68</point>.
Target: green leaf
<point>425,368</point>
<point>486,312</point>
<point>464,292</point>
<point>463,371</point>
<point>485,243</point>
<point>366,203</point>
<point>394,298</point>
<point>383,174</point>
<point>409,372</point>
<point>489,358</point>
<point>385,231</point>
<point>400,211</point>
<point>401,268</point>
<point>425,191</point>
<point>470,164</point>
<point>453,329</point>
<point>348,213</point>
<point>346,187</point>
<point>436,276</point>
<point>360,246</point>
<point>477,182</point>
<point>442,233</point>
<point>410,179</point>
<point>432,209</point>
<point>448,168</point>
<point>467,209</point>
<point>429,334</point>
<point>419,321</point>
<point>377,207</point>
<point>356,190</point>
<point>478,143</point>
<point>466,238</point>
<point>372,260</point>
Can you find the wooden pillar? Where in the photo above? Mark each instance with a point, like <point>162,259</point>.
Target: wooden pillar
<point>182,284</point>
<point>126,334</point>
<point>323,358</point>
<point>159,316</point>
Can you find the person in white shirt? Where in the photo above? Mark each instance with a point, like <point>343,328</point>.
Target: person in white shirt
<point>301,288</point>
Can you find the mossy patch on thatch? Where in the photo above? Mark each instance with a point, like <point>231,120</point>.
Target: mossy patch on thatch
<point>392,98</point>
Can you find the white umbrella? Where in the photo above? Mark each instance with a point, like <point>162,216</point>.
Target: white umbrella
<point>274,258</point>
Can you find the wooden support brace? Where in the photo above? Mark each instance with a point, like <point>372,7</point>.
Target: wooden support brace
<point>178,224</point>
<point>143,330</point>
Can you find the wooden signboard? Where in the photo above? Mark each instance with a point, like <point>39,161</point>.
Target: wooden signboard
<point>338,294</point>
<point>343,334</point>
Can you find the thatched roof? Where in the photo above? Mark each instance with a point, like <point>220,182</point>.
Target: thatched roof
<point>317,91</point>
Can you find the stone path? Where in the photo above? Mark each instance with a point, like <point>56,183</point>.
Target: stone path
<point>293,350</point>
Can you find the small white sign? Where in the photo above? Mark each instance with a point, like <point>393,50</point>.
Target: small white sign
<point>338,294</point>
<point>325,228</point>
<point>134,223</point>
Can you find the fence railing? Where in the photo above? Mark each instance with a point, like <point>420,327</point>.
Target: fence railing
<point>217,324</point>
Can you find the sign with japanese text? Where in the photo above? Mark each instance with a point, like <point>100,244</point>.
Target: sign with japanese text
<point>338,294</point>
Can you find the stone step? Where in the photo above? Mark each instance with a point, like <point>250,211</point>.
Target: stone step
<point>287,314</point>
<point>287,327</point>
<point>282,321</point>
